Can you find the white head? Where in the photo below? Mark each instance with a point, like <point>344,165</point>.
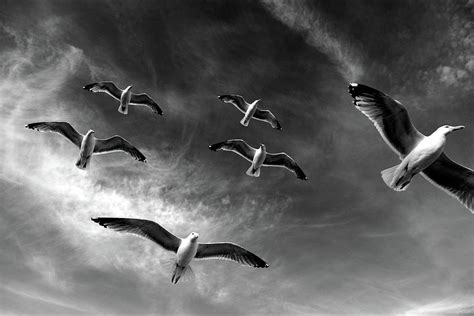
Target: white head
<point>255,102</point>
<point>128,88</point>
<point>447,129</point>
<point>91,131</point>
<point>193,236</point>
<point>262,146</point>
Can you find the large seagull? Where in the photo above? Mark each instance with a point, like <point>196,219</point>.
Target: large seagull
<point>126,97</point>
<point>88,144</point>
<point>250,110</point>
<point>418,153</point>
<point>259,157</point>
<point>186,249</point>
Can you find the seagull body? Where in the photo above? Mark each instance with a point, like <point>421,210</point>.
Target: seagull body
<point>185,249</point>
<point>125,100</point>
<point>126,97</point>
<point>259,157</point>
<point>419,153</point>
<point>257,161</point>
<point>250,110</point>
<point>88,144</point>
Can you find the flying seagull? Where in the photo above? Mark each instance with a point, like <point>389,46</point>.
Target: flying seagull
<point>126,97</point>
<point>186,249</point>
<point>259,157</point>
<point>88,144</point>
<point>419,153</point>
<point>250,110</point>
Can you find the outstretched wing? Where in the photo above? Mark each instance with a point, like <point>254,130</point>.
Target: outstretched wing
<point>144,99</point>
<point>142,227</point>
<point>105,86</point>
<point>63,128</point>
<point>267,116</point>
<point>389,117</point>
<point>117,143</point>
<point>237,100</point>
<point>237,146</point>
<point>229,251</point>
<point>284,161</point>
<point>453,178</point>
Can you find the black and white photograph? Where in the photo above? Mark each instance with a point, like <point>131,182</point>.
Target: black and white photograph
<point>237,157</point>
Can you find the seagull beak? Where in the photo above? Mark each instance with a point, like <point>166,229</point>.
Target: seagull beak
<point>455,128</point>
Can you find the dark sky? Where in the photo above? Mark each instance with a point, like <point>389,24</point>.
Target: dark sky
<point>342,242</point>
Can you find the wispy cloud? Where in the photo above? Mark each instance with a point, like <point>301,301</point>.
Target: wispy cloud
<point>320,32</point>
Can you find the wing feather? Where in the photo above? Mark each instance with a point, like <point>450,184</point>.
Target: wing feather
<point>105,86</point>
<point>238,146</point>
<point>144,99</point>
<point>142,227</point>
<point>117,143</point>
<point>267,116</point>
<point>389,117</point>
<point>453,178</point>
<point>284,161</point>
<point>237,100</point>
<point>229,251</point>
<point>63,128</point>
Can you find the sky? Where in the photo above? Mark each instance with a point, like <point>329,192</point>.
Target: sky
<point>340,243</point>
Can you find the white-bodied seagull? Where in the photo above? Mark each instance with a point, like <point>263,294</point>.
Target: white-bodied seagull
<point>126,97</point>
<point>88,144</point>
<point>250,110</point>
<point>186,249</point>
<point>259,157</point>
<point>419,153</point>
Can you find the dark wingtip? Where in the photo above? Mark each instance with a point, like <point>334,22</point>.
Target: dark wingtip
<point>95,219</point>
<point>212,147</point>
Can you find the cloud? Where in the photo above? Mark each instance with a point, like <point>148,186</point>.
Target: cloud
<point>37,75</point>
<point>320,33</point>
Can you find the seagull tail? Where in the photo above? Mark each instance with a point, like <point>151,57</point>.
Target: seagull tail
<point>83,162</point>
<point>184,273</point>
<point>245,120</point>
<point>253,172</point>
<point>123,109</point>
<point>395,178</point>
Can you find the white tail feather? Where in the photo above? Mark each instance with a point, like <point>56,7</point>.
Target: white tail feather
<point>245,121</point>
<point>253,172</point>
<point>395,179</point>
<point>123,109</point>
<point>184,273</point>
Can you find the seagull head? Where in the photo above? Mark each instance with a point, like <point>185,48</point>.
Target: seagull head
<point>193,236</point>
<point>447,129</point>
<point>91,131</point>
<point>129,88</point>
<point>262,146</point>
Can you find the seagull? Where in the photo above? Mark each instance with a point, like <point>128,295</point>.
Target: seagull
<point>418,153</point>
<point>250,110</point>
<point>88,144</point>
<point>126,97</point>
<point>259,157</point>
<point>186,249</point>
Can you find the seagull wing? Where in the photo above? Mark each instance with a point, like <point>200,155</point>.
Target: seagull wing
<point>142,227</point>
<point>117,143</point>
<point>389,117</point>
<point>63,128</point>
<point>229,251</point>
<point>237,146</point>
<point>267,116</point>
<point>105,86</point>
<point>452,178</point>
<point>284,161</point>
<point>144,99</point>
<point>237,100</point>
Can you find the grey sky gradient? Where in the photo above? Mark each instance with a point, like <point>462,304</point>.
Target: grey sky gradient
<point>341,242</point>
